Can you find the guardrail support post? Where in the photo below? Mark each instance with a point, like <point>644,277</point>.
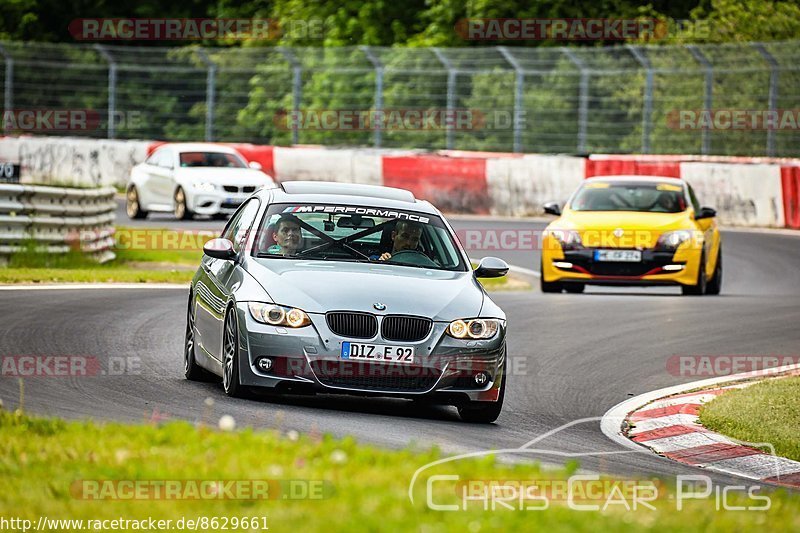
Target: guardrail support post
<point>772,99</point>
<point>451,96</point>
<point>647,104</point>
<point>583,99</point>
<point>708,100</point>
<point>211,91</point>
<point>8,93</point>
<point>519,81</point>
<point>297,89</point>
<point>111,128</point>
<point>378,111</point>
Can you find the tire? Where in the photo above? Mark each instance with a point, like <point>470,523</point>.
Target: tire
<point>132,206</point>
<point>714,285</point>
<point>191,370</point>
<point>548,286</point>
<point>574,288</point>
<point>180,210</point>
<point>230,357</point>
<point>220,216</point>
<point>699,288</point>
<point>484,412</point>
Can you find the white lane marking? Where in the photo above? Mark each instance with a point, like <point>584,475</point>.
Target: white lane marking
<point>527,271</point>
<point>611,422</point>
<point>686,441</point>
<point>84,286</point>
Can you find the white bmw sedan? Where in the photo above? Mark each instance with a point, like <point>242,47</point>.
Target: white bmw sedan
<point>192,179</point>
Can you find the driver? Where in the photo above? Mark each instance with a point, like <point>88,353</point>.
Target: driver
<point>287,236</point>
<point>405,236</point>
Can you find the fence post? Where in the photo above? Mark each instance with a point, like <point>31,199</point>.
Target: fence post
<point>297,90</point>
<point>708,100</point>
<point>8,94</point>
<point>451,96</point>
<point>647,104</point>
<point>111,129</point>
<point>378,111</point>
<point>583,98</point>
<point>772,99</point>
<point>519,81</point>
<point>211,92</point>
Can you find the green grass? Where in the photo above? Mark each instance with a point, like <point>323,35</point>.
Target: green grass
<point>43,463</point>
<point>765,412</point>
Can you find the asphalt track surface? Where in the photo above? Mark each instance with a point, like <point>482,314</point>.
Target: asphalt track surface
<point>574,355</point>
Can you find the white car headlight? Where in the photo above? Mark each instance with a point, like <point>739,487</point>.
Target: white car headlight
<point>205,187</point>
<point>278,315</point>
<point>568,239</point>
<point>476,328</point>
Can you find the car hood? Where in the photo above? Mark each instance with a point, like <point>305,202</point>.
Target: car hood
<point>322,286</point>
<point>641,229</point>
<point>225,176</point>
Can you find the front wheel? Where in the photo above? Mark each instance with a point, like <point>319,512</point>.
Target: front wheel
<point>180,210</point>
<point>484,412</point>
<point>699,288</point>
<point>230,357</point>
<point>574,288</point>
<point>191,370</point>
<point>714,285</point>
<point>132,205</point>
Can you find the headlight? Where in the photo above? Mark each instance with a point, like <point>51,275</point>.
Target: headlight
<point>672,239</point>
<point>206,187</point>
<point>477,328</point>
<point>569,239</point>
<point>278,315</point>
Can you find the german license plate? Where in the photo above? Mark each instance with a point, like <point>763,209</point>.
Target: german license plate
<point>377,352</point>
<point>234,201</point>
<point>622,256</point>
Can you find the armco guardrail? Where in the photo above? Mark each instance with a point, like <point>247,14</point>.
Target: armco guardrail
<point>57,220</point>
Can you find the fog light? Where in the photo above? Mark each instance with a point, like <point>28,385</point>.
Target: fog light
<point>562,264</point>
<point>264,364</point>
<point>672,268</point>
<point>481,378</point>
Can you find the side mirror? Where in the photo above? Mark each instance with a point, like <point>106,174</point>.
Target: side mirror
<point>491,267</point>
<point>219,249</point>
<point>552,208</point>
<point>255,165</point>
<point>705,212</point>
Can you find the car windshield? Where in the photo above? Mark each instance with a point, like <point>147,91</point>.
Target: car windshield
<point>634,196</point>
<point>357,233</point>
<point>211,159</point>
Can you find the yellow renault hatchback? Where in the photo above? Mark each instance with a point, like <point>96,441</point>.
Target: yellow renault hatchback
<point>632,230</point>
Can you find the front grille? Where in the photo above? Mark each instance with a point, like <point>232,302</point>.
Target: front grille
<point>249,188</point>
<point>230,188</point>
<point>620,269</point>
<point>405,328</point>
<point>375,377</point>
<point>354,325</point>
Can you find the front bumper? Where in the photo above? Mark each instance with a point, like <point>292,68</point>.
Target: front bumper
<point>308,359</point>
<point>656,268</point>
<point>216,202</point>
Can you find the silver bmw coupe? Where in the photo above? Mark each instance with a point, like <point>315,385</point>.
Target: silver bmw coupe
<point>347,289</point>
